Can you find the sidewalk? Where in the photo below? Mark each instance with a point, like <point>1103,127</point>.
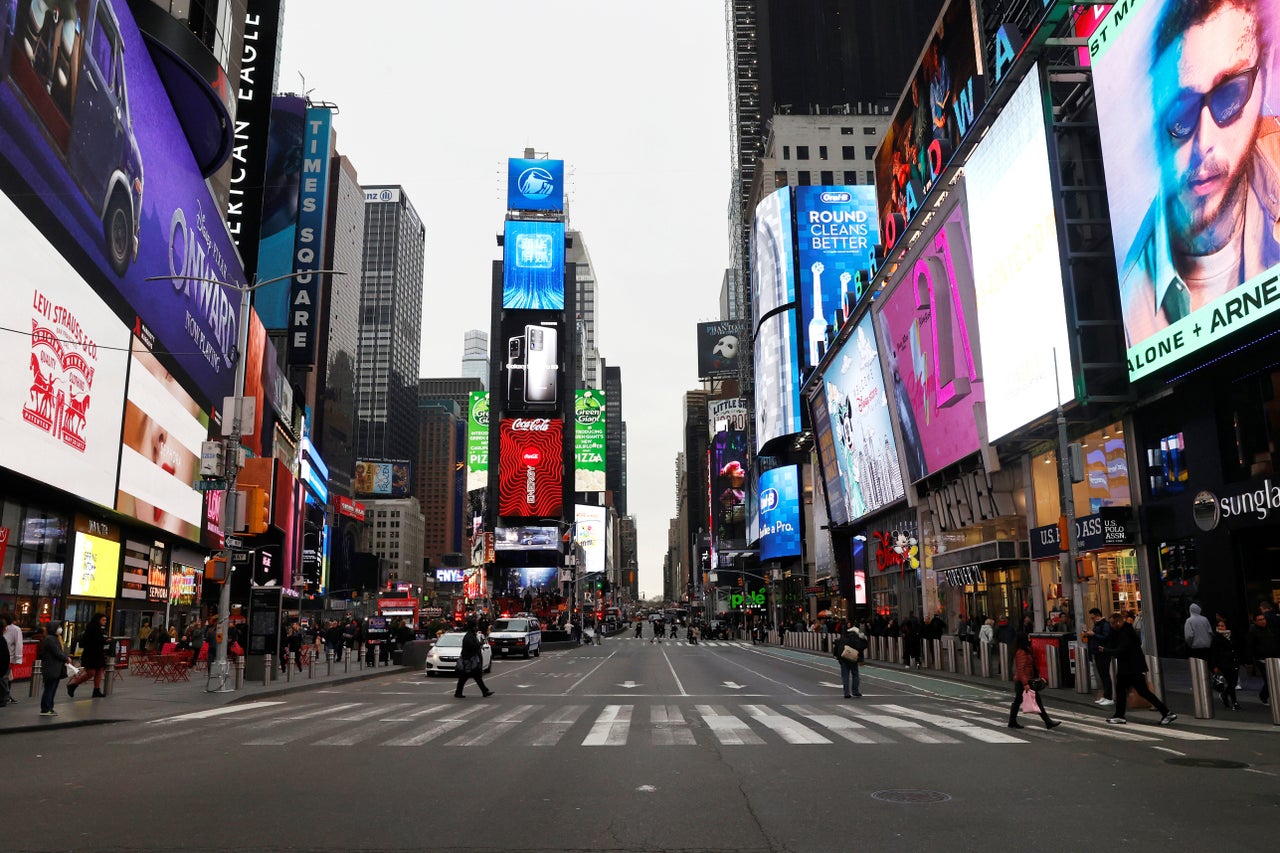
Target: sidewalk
<point>135,697</point>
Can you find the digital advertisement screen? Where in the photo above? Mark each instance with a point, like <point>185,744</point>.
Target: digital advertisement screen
<point>535,184</point>
<point>825,442</point>
<point>109,188</point>
<point>280,199</point>
<point>383,478</point>
<point>530,467</point>
<point>836,234</point>
<point>61,398</point>
<point>1017,267</point>
<point>730,465</point>
<point>94,566</point>
<point>865,448</point>
<point>526,538</point>
<point>450,575</point>
<point>533,265</point>
<point>538,577</point>
<point>718,349</point>
<point>590,537</point>
<point>929,324</point>
<point>780,513</point>
<point>773,282</point>
<point>534,348</point>
<point>943,95</point>
<point>777,378</point>
<point>308,247</point>
<point>589,440</point>
<point>477,440</point>
<point>160,453</point>
<point>1187,111</point>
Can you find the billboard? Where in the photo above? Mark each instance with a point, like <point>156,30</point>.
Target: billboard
<point>1187,111</point>
<point>477,440</point>
<point>866,452</point>
<point>835,239</point>
<point>61,397</point>
<point>382,478</point>
<point>944,93</point>
<point>104,182</point>
<point>535,348</point>
<point>1017,267</point>
<point>160,449</point>
<point>533,265</point>
<point>280,198</point>
<point>308,248</point>
<point>780,513</point>
<point>730,463</point>
<point>538,577</point>
<point>525,538</point>
<point>777,378</point>
<point>929,326</point>
<point>718,347</point>
<point>590,537</point>
<point>94,560</point>
<point>773,282</point>
<point>588,440</point>
<point>530,467</point>
<point>824,440</point>
<point>535,184</point>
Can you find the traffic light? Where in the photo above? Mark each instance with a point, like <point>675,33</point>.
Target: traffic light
<point>257,510</point>
<point>215,569</point>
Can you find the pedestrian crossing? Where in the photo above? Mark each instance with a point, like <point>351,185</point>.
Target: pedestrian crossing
<point>644,724</point>
<point>722,644</point>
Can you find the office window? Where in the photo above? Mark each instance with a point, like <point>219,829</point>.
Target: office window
<point>802,178</point>
<point>868,131</point>
<point>851,177</point>
<point>802,152</point>
<point>849,152</point>
<point>822,152</point>
<point>846,131</point>
<point>870,151</point>
<point>786,152</point>
<point>779,179</point>
<point>871,177</point>
<point>828,178</point>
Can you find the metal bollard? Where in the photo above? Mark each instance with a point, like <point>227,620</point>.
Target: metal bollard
<point>266,670</point>
<point>984,658</point>
<point>1053,673</point>
<point>1155,674</point>
<point>935,646</point>
<point>951,654</point>
<point>1201,692</point>
<point>900,650</point>
<point>311,667</point>
<point>288,672</point>
<point>239,673</point>
<point>1272,667</point>
<point>328,659</point>
<point>1006,664</point>
<point>109,674</point>
<point>1082,668</point>
<point>966,658</point>
<point>37,674</point>
<point>346,663</point>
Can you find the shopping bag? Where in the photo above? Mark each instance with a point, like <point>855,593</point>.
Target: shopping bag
<point>72,669</point>
<point>1029,701</point>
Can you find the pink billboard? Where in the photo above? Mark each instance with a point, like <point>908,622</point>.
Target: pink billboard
<point>930,325</point>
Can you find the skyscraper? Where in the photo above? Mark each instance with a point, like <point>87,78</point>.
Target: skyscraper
<point>390,326</point>
<point>585,328</point>
<point>615,438</point>
<point>475,356</point>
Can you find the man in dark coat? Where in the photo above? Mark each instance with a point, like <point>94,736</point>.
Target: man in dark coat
<point>1260,645</point>
<point>849,676</point>
<point>471,661</point>
<point>1131,669</point>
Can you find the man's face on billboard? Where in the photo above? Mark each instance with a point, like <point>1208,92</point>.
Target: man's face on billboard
<point>1208,100</point>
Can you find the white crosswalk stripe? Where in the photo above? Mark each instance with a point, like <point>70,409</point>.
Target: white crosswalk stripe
<point>790,730</point>
<point>669,727</point>
<point>728,729</point>
<point>551,730</point>
<point>911,730</point>
<point>611,727</point>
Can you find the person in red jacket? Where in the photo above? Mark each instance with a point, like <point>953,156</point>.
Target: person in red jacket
<point>1024,677</point>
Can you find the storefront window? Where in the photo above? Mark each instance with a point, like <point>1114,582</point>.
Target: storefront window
<point>35,554</point>
<point>1106,481</point>
<point>1254,425</point>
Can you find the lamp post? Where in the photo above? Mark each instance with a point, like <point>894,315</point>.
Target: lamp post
<point>233,448</point>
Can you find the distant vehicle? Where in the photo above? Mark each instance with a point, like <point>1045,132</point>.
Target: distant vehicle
<point>717,629</point>
<point>443,657</point>
<point>537,537</point>
<point>66,61</point>
<point>517,635</point>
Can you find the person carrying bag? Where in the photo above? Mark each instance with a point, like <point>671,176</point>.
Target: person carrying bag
<point>848,650</point>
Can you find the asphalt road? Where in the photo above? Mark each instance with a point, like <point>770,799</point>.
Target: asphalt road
<point>640,746</point>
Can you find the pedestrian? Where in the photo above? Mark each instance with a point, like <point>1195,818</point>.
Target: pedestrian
<point>1026,679</point>
<point>1226,668</point>
<point>53,660</point>
<point>4,673</point>
<point>911,644</point>
<point>13,641</point>
<point>144,635</point>
<point>471,662</point>
<point>1099,642</point>
<point>293,644</point>
<point>93,657</point>
<point>1198,633</point>
<point>987,634</point>
<point>850,679</point>
<point>1260,645</point>
<point>1131,671</point>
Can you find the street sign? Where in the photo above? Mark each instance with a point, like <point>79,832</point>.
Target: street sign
<point>240,558</point>
<point>233,541</point>
<point>209,485</point>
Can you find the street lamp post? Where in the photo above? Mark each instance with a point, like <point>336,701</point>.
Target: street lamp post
<point>233,448</point>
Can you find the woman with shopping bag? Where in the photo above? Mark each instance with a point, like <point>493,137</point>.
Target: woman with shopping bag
<point>93,658</point>
<point>1027,685</point>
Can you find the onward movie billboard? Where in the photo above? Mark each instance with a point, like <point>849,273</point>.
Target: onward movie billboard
<point>104,181</point>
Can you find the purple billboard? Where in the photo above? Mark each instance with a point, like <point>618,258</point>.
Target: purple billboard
<point>91,152</point>
<point>930,330</point>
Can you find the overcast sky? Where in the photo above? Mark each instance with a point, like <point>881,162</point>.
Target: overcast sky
<point>436,94</point>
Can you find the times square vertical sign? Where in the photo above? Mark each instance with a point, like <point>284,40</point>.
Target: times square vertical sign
<point>308,247</point>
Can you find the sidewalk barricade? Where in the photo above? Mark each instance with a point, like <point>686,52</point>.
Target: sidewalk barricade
<point>1052,669</point>
<point>949,653</point>
<point>966,658</point>
<point>935,649</point>
<point>36,676</point>
<point>899,650</point>
<point>1005,664</point>
<point>984,657</point>
<point>1081,667</point>
<point>266,671</point>
<point>1201,692</point>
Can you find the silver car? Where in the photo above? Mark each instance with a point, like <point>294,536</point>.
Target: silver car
<point>443,657</point>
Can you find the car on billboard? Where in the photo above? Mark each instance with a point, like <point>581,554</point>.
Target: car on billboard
<point>65,61</point>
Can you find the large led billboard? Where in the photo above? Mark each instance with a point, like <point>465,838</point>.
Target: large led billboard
<point>779,531</point>
<point>929,326</point>
<point>280,198</point>
<point>835,238</point>
<point>526,539</point>
<point>535,184</point>
<point>866,452</point>
<point>777,378</point>
<point>477,440</point>
<point>62,395</point>
<point>773,282</point>
<point>308,248</point>
<point>88,153</point>
<point>824,440</point>
<point>1016,265</point>
<point>382,478</point>
<point>532,370</point>
<point>590,537</point>
<point>530,467</point>
<point>730,464</point>
<point>94,565</point>
<point>160,449</point>
<point>718,348</point>
<point>588,440</point>
<point>1187,110</point>
<point>533,265</point>
<point>944,93</point>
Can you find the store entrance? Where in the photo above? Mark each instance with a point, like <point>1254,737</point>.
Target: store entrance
<point>1258,561</point>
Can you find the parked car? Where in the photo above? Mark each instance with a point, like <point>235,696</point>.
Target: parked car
<point>520,635</point>
<point>443,657</point>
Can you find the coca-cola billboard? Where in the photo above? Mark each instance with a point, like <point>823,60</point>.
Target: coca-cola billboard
<point>530,467</point>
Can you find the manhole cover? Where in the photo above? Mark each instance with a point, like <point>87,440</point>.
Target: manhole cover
<point>1211,763</point>
<point>911,796</point>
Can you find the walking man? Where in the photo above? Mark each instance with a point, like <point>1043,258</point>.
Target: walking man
<point>1260,645</point>
<point>471,661</point>
<point>1131,669</point>
<point>1198,633</point>
<point>13,642</point>
<point>1099,640</point>
<point>850,678</point>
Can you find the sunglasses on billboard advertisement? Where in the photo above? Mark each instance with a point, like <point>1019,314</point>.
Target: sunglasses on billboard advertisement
<point>1225,102</point>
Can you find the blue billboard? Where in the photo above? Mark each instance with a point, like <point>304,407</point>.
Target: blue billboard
<point>533,265</point>
<point>780,513</point>
<point>308,249</point>
<point>280,198</point>
<point>535,184</point>
<point>109,182</point>
<point>776,349</point>
<point>835,238</point>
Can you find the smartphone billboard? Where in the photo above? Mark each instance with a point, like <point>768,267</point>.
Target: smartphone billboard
<point>534,348</point>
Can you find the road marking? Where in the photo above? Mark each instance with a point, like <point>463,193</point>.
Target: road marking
<point>1167,749</point>
<point>611,727</point>
<point>1094,725</point>
<point>436,729</point>
<point>409,718</point>
<point>673,673</point>
<point>728,729</point>
<point>357,716</point>
<point>733,685</point>
<point>496,727</point>
<point>669,726</point>
<point>963,727</point>
<point>589,674</point>
<point>788,729</point>
<point>549,731</point>
<point>628,684</point>
<point>844,727</point>
<point>909,729</point>
<point>216,712</point>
